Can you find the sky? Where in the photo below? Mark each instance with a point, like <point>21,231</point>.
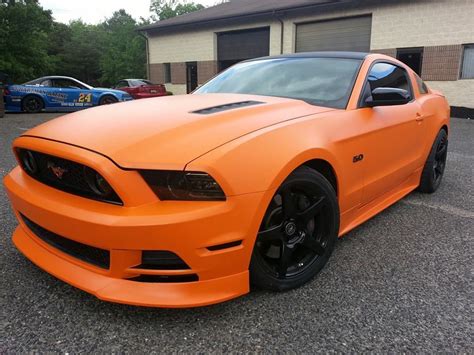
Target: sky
<point>95,11</point>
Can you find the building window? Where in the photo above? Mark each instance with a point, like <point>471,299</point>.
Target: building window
<point>467,71</point>
<point>167,72</point>
<point>413,57</point>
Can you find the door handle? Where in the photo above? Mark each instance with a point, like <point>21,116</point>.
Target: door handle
<point>419,117</point>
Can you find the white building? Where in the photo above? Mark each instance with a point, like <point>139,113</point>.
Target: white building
<point>435,37</point>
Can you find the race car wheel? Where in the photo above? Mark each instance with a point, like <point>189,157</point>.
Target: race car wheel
<point>107,100</point>
<point>435,165</point>
<point>297,234</point>
<point>32,104</point>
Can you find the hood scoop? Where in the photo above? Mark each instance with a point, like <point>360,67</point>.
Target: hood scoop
<point>226,107</point>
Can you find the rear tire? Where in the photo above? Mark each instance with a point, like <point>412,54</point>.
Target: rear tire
<point>297,234</point>
<point>435,165</point>
<point>107,100</point>
<point>32,104</point>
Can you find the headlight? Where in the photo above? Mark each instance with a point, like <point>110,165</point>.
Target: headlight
<point>183,186</point>
<point>97,183</point>
<point>28,161</point>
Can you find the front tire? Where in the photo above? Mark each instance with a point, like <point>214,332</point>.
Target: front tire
<point>297,234</point>
<point>435,165</point>
<point>32,104</point>
<point>107,100</point>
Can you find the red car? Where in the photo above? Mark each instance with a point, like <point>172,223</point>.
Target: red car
<point>141,89</point>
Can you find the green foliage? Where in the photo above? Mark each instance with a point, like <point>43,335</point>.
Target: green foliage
<point>82,52</point>
<point>32,44</point>
<point>165,9</point>
<point>124,50</point>
<point>24,31</point>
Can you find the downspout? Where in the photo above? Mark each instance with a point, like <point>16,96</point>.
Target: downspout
<point>282,26</point>
<point>147,55</point>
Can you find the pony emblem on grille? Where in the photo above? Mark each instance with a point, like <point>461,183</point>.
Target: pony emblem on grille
<point>57,170</point>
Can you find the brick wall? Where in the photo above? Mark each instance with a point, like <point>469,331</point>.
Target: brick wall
<point>157,73</point>
<point>206,70</point>
<point>178,73</point>
<point>442,63</point>
<point>392,52</point>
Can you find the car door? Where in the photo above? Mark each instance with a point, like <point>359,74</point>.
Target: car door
<point>45,88</point>
<point>392,136</point>
<point>72,93</point>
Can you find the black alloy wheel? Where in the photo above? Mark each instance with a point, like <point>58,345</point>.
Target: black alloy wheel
<point>107,100</point>
<point>32,104</point>
<point>298,232</point>
<point>435,165</point>
<point>440,159</point>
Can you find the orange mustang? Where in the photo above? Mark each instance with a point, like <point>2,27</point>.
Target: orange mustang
<point>185,201</point>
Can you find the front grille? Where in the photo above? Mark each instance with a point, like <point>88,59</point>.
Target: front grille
<point>86,253</point>
<point>66,175</point>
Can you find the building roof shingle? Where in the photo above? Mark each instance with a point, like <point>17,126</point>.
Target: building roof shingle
<point>236,9</point>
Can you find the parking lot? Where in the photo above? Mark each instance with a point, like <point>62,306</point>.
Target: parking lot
<point>402,282</point>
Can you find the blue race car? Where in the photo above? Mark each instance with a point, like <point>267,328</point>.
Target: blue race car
<point>58,93</point>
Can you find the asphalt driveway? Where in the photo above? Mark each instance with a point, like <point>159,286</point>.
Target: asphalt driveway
<point>402,282</point>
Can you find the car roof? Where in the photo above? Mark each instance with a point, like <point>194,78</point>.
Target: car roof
<point>326,54</point>
<point>56,77</point>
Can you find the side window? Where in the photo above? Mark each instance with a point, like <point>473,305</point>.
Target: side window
<point>46,83</point>
<point>63,83</point>
<point>384,75</point>
<point>122,84</point>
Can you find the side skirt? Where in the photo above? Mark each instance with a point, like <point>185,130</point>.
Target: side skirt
<point>354,218</point>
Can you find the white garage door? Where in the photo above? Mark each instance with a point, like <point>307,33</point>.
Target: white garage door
<point>349,34</point>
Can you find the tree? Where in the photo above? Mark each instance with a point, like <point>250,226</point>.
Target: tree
<point>124,54</point>
<point>24,31</point>
<point>58,40</point>
<point>82,52</point>
<point>33,45</point>
<point>165,9</point>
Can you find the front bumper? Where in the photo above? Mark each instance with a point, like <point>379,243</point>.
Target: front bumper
<point>106,288</point>
<point>187,229</point>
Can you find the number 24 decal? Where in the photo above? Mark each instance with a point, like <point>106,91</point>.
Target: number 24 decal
<point>85,98</point>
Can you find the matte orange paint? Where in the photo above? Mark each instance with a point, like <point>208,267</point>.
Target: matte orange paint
<point>249,151</point>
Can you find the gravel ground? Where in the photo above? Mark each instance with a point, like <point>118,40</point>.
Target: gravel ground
<point>402,282</point>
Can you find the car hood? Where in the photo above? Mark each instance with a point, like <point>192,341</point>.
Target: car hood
<point>114,91</point>
<point>167,133</point>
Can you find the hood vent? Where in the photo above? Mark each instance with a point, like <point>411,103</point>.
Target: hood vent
<point>226,107</point>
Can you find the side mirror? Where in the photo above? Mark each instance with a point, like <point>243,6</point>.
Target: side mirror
<point>388,97</point>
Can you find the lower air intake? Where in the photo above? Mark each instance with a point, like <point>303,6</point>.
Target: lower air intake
<point>91,255</point>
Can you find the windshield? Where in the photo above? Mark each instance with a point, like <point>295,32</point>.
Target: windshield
<point>319,81</point>
<point>137,82</point>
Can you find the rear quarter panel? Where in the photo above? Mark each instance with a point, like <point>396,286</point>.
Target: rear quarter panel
<point>435,110</point>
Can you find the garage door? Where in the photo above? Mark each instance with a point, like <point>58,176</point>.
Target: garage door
<point>350,34</point>
<point>235,46</point>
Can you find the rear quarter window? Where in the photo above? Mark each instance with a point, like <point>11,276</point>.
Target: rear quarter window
<point>422,87</point>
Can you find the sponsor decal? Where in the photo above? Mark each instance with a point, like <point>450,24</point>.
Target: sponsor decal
<point>85,98</point>
<point>58,96</point>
